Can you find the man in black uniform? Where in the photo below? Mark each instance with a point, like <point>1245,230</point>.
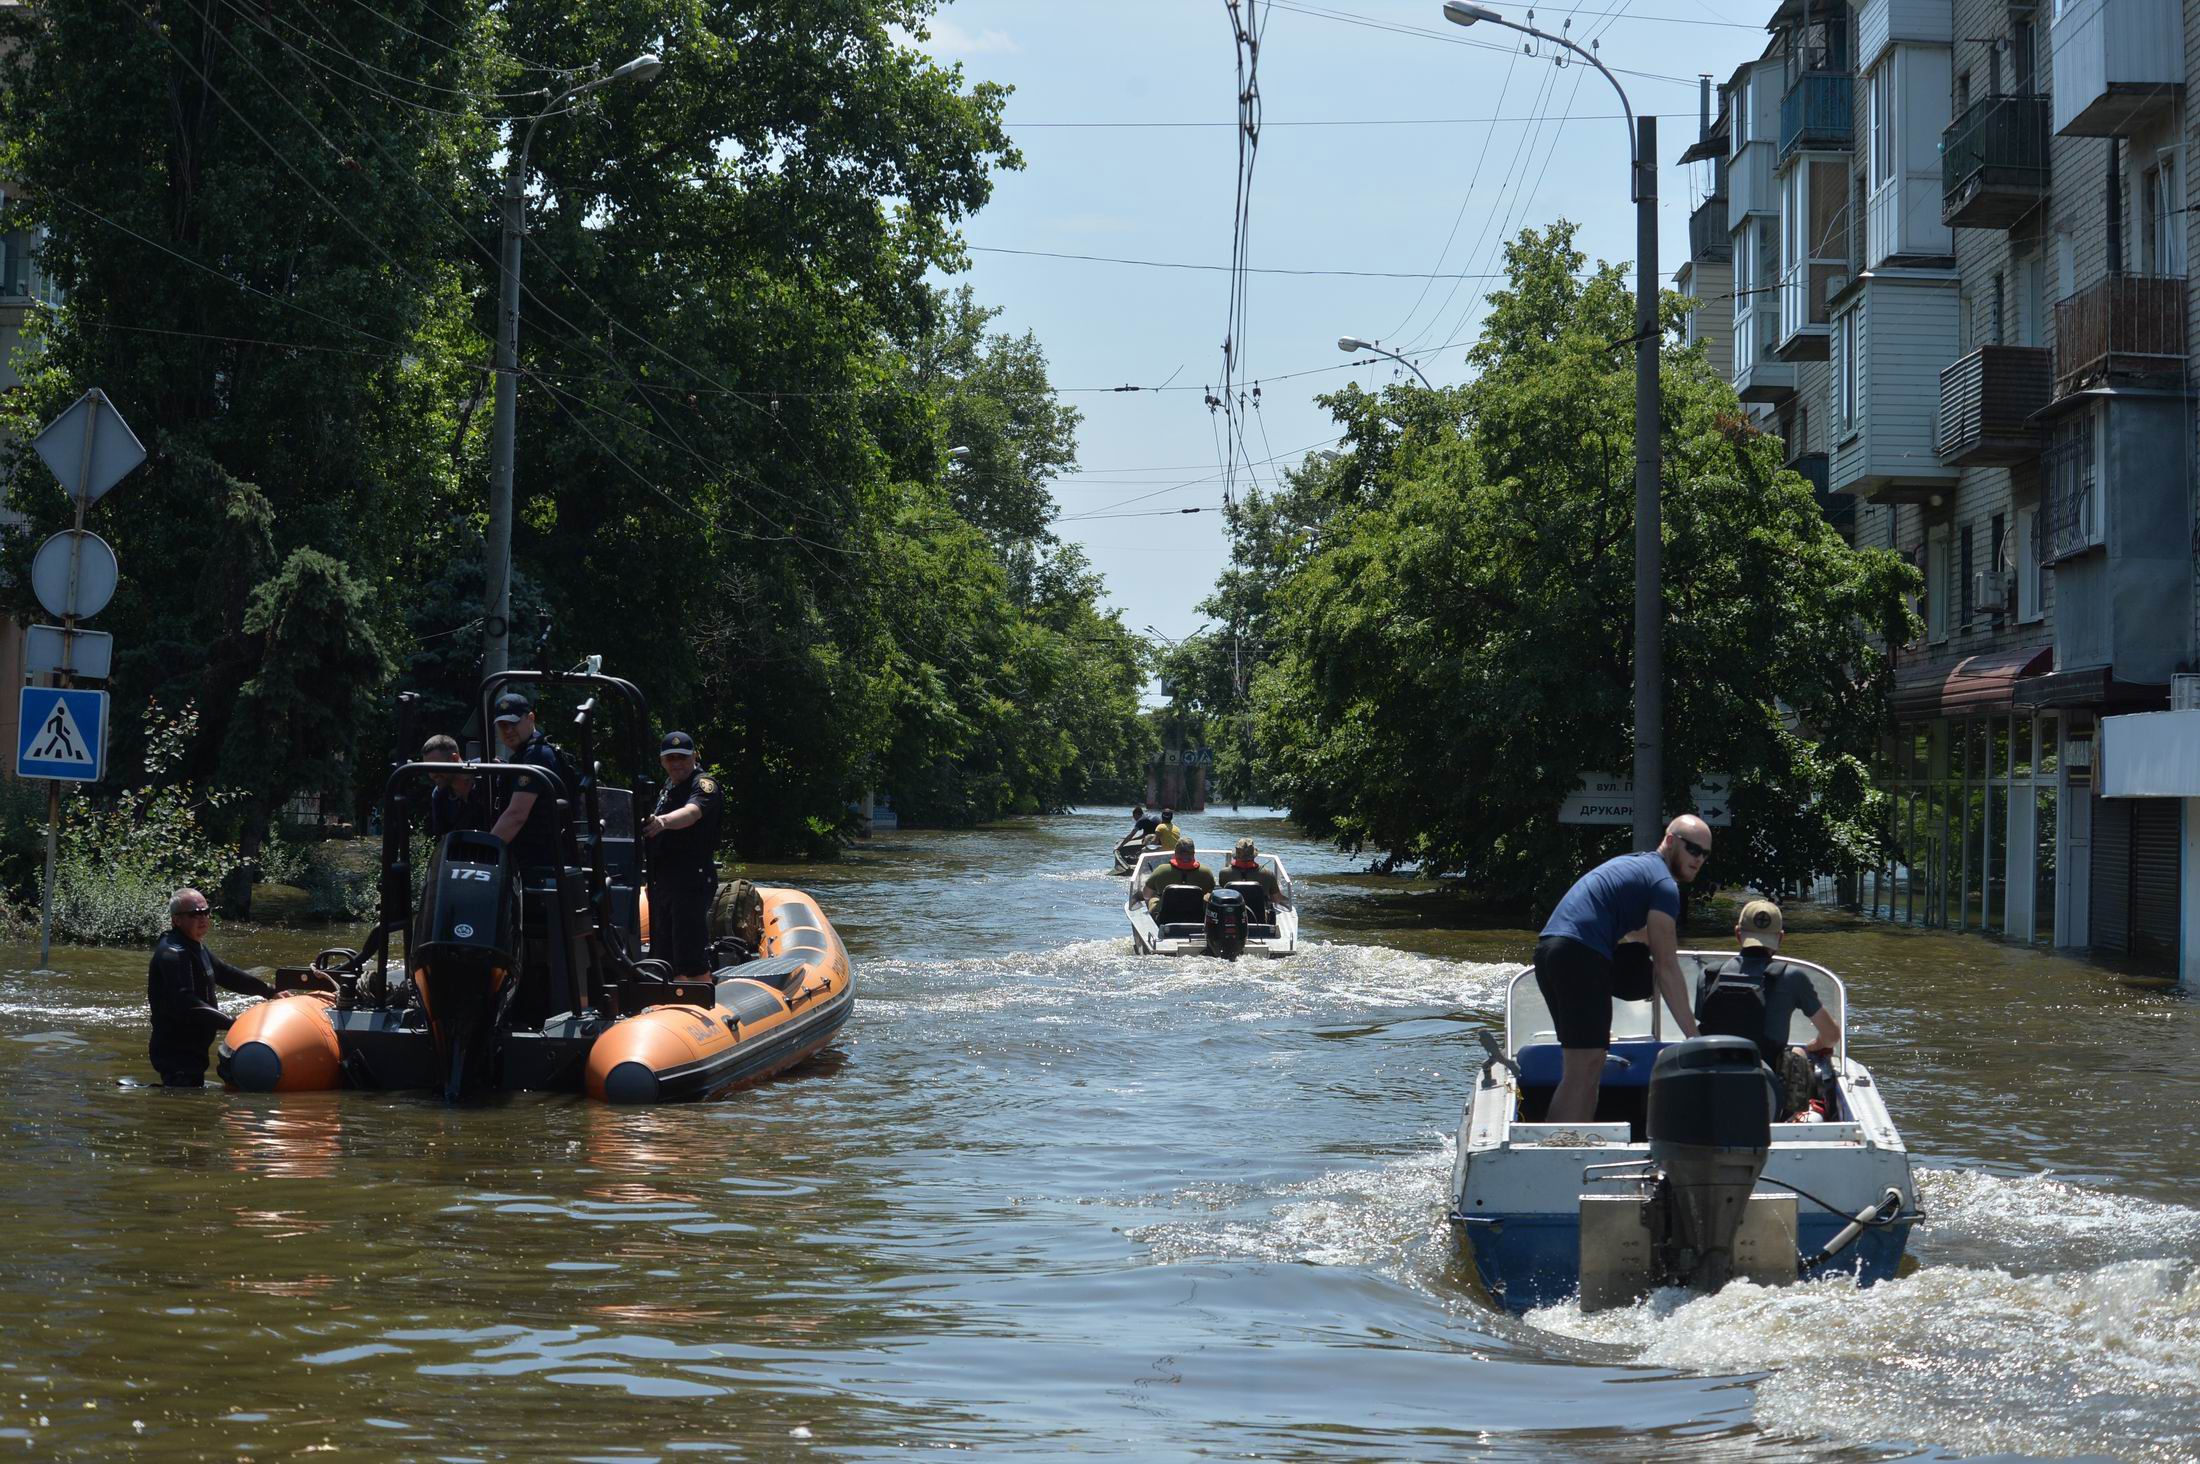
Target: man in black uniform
<point>180,985</point>
<point>527,807</point>
<point>683,862</point>
<point>458,802</point>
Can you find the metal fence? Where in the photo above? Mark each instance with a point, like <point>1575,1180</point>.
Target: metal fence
<point>2124,324</point>
<point>1818,111</point>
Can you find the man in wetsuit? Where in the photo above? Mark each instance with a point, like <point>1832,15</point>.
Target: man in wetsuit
<point>1183,868</point>
<point>457,801</point>
<point>683,859</point>
<point>1630,895</point>
<point>527,807</point>
<point>180,984</point>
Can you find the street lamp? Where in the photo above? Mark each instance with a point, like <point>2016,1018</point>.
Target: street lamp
<point>1642,150</point>
<point>1352,345</point>
<point>497,616</point>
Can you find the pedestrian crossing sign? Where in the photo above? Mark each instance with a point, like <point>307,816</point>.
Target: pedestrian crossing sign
<point>61,734</point>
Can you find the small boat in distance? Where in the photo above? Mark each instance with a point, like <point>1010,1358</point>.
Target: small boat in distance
<point>1240,918</point>
<point>1128,850</point>
<point>1681,1144</point>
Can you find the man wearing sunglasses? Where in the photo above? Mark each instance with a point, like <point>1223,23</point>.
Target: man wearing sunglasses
<point>1633,897</point>
<point>180,984</point>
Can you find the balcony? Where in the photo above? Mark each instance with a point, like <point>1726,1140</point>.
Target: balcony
<point>2118,65</point>
<point>1985,401</point>
<point>1758,375</point>
<point>1708,236</point>
<point>2122,326</point>
<point>1804,320</point>
<point>1819,111</point>
<point>1993,163</point>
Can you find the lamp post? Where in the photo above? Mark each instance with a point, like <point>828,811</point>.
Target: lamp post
<point>1352,345</point>
<point>1642,147</point>
<point>497,614</point>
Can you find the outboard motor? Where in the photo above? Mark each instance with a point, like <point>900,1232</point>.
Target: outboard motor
<point>1710,1129</point>
<point>465,958</point>
<point>1226,924</point>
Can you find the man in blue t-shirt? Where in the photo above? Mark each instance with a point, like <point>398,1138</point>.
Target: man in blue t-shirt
<point>1635,895</point>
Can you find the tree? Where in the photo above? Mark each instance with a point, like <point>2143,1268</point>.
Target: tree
<point>1455,653</point>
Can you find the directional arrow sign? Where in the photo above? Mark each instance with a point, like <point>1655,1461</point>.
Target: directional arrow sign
<point>62,734</point>
<point>88,468</point>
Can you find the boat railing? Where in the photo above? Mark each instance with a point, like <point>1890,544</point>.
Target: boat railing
<point>1528,1019</point>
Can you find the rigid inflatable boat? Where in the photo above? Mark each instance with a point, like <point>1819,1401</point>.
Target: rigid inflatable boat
<point>540,979</point>
<point>1682,1178</point>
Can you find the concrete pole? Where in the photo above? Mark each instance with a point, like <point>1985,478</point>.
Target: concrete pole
<point>1649,595</point>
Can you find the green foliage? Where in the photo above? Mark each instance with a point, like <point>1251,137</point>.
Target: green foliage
<point>1452,616</point>
<point>121,859</point>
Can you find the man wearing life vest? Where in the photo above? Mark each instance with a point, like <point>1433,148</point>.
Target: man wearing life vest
<point>1755,996</point>
<point>1183,868</point>
<point>1245,865</point>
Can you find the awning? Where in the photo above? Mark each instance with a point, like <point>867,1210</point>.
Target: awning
<point>2091,686</point>
<point>1984,683</point>
<point>1713,145</point>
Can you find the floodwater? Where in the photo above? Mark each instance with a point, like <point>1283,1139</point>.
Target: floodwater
<point>1045,1198</point>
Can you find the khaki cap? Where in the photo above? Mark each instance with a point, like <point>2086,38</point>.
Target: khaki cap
<point>1760,919</point>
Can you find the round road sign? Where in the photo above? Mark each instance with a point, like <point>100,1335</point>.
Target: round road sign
<point>95,577</point>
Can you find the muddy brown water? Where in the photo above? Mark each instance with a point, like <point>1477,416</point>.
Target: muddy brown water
<point>1044,1197</point>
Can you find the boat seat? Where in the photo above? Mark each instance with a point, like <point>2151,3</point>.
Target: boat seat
<point>773,971</point>
<point>1626,1063</point>
<point>1182,904</point>
<point>1255,894</point>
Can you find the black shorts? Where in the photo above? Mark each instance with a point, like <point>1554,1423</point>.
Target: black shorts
<point>1576,984</point>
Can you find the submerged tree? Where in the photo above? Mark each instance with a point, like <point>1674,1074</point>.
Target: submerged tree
<point>1456,653</point>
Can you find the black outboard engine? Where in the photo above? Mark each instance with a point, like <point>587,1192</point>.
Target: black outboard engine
<point>465,955</point>
<point>1710,1130</point>
<point>1226,924</point>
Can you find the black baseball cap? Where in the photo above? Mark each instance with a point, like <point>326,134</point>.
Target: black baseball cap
<point>512,706</point>
<point>676,742</point>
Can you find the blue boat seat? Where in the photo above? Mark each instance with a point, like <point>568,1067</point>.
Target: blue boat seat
<point>1626,1063</point>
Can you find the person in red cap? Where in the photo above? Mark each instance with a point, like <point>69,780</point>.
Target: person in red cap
<point>1183,868</point>
<point>683,859</point>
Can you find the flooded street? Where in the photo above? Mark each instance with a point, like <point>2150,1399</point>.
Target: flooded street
<point>1044,1197</point>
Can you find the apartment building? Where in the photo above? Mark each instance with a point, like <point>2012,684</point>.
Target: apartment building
<point>1959,243</point>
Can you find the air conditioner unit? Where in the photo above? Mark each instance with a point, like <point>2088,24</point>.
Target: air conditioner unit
<point>2184,692</point>
<point>1990,592</point>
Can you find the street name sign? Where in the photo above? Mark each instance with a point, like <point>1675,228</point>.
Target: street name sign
<point>74,573</point>
<point>62,734</point>
<point>89,447</point>
<point>1607,798</point>
<point>88,653</point>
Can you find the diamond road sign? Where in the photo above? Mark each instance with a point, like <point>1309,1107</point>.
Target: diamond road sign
<point>89,447</point>
<point>62,734</point>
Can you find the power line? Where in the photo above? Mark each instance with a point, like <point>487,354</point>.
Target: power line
<point>1364,274</point>
<point>1429,34</point>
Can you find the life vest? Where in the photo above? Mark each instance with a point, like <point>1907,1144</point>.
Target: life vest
<point>1253,868</point>
<point>1734,1005</point>
<point>1175,863</point>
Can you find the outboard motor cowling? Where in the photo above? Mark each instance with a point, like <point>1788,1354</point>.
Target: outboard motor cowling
<point>1709,1124</point>
<point>465,954</point>
<point>1226,924</point>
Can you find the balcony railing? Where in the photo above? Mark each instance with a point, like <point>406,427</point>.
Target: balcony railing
<point>1985,401</point>
<point>1708,232</point>
<point>1993,162</point>
<point>1818,111</point>
<point>2124,325</point>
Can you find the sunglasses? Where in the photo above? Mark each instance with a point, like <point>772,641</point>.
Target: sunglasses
<point>1701,851</point>
<point>195,911</point>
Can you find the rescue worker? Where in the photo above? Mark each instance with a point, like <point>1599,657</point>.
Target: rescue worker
<point>1142,822</point>
<point>527,807</point>
<point>1245,865</point>
<point>1166,835</point>
<point>1183,868</point>
<point>180,982</point>
<point>457,800</point>
<point>1756,996</point>
<point>683,863</point>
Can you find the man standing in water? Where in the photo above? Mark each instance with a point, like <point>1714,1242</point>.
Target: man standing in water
<point>180,984</point>
<point>1635,894</point>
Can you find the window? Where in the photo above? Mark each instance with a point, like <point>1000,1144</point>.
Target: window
<point>2028,558</point>
<point>1963,93</point>
<point>1997,551</point>
<point>1964,598</point>
<point>2160,216</point>
<point>1996,324</point>
<point>2070,501</point>
<point>1846,370</point>
<point>1936,583</point>
<point>1882,122</point>
<point>2023,53</point>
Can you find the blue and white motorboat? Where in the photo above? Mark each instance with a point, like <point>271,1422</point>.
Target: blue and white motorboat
<point>1603,1210</point>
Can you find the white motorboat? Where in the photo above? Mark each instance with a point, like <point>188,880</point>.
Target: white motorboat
<point>1549,1211</point>
<point>1187,922</point>
<point>1127,851</point>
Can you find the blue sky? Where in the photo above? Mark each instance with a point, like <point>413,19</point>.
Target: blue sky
<point>1325,196</point>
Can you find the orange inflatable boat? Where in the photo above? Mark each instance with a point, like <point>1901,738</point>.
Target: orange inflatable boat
<point>540,979</point>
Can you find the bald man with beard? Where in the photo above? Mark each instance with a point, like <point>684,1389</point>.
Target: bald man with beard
<point>1633,897</point>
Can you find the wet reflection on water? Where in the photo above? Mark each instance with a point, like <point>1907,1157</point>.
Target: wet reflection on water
<point>1045,1196</point>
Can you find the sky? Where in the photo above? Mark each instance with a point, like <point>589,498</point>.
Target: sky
<point>1391,142</point>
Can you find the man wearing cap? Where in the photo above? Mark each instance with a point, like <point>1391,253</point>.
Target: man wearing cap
<point>1183,868</point>
<point>1245,865</point>
<point>458,801</point>
<point>1632,896</point>
<point>1755,996</point>
<point>683,859</point>
<point>179,983</point>
<point>527,807</point>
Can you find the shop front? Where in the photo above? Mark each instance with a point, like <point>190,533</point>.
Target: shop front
<point>2150,776</point>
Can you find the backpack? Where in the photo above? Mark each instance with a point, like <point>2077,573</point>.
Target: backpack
<point>1733,1005</point>
<point>737,911</point>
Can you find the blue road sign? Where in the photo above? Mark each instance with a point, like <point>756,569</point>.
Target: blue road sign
<point>63,734</point>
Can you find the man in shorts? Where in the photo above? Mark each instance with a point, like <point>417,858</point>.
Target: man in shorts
<point>1633,895</point>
